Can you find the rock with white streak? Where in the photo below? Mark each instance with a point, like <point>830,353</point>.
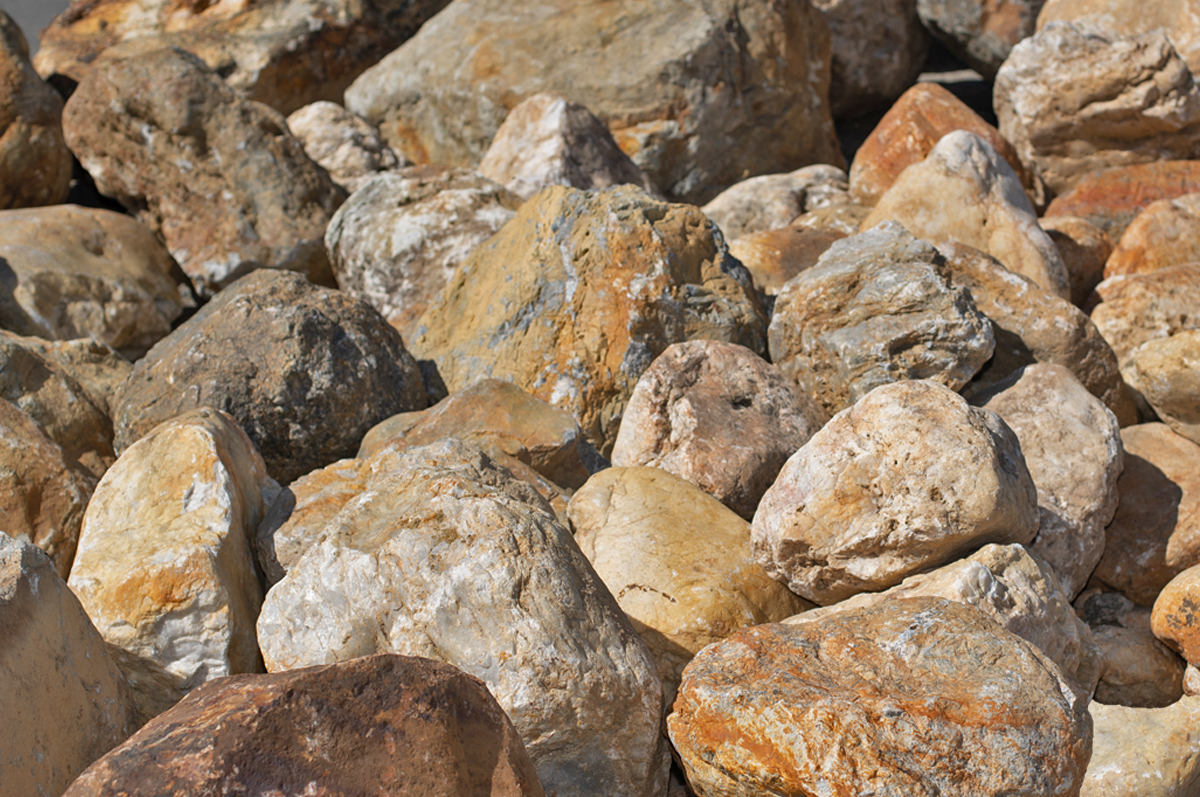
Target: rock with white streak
<point>772,201</point>
<point>349,148</point>
<point>1144,752</point>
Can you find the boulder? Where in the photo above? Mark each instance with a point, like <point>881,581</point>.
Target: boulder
<point>1138,670</point>
<point>1166,372</point>
<point>1138,308</point>
<point>165,566</point>
<point>877,307</point>
<point>285,53</point>
<point>1131,18</point>
<point>306,371</point>
<point>63,699</point>
<point>910,696</point>
<point>910,477</point>
<point>451,558</point>
<point>1155,533</point>
<point>1144,752</point>
<point>77,272</point>
<point>1084,248</point>
<point>575,297</point>
<point>345,145</point>
<point>964,191</point>
<point>719,416</point>
<point>774,201</point>
<point>773,257</point>
<point>98,368</point>
<point>677,562</point>
<point>844,218</point>
<point>399,240</point>
<point>648,70</point>
<point>1166,233</point>
<point>549,140</point>
<point>219,178</point>
<point>1110,199</point>
<point>1175,619</point>
<point>980,32</point>
<point>382,726</point>
<point>1073,99</point>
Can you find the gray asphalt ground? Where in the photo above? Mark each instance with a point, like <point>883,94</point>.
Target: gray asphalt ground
<point>33,15</point>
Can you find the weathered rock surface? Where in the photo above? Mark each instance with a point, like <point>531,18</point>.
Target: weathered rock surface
<point>397,242</point>
<point>64,701</point>
<point>221,179</point>
<point>165,566</point>
<point>1166,233</point>
<point>1073,99</point>
<point>1110,199</point>
<point>719,416</point>
<point>980,32</point>
<point>1138,308</point>
<point>677,562</point>
<point>1084,248</point>
<point>868,700</point>
<point>844,218</point>
<point>442,559</point>
<point>386,725</point>
<point>1072,445</point>
<point>578,294</point>
<point>1155,533</point>
<point>1166,372</point>
<point>1176,616</point>
<point>964,191</point>
<point>773,201</point>
<point>908,478</point>
<point>647,69</point>
<point>35,164</point>
<point>549,140</point>
<point>877,307</point>
<point>775,256</point>
<point>351,150</point>
<point>1144,752</point>
<point>98,368</point>
<point>1139,671</point>
<point>285,53</point>
<point>77,272</point>
<point>1131,18</point>
<point>306,371</point>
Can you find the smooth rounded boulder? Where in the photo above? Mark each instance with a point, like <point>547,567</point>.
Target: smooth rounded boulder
<point>1166,372</point>
<point>1175,618</point>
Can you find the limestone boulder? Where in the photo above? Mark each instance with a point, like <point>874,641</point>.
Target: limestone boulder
<point>1138,308</point>
<point>387,726</point>
<point>1074,99</point>
<point>1175,619</point>
<point>65,703</point>
<point>646,69</point>
<point>345,145</point>
<point>980,32</point>
<point>1166,233</point>
<point>1144,752</point>
<point>877,307</point>
<point>774,201</point>
<point>1138,670</point>
<point>910,477</point>
<point>964,191</point>
<point>575,297</point>
<point>219,178</point>
<point>869,699</point>
<point>1130,18</point>
<point>1084,248</point>
<point>1166,372</point>
<point>719,416</point>
<point>400,239</point>
<point>306,371</point>
<point>443,560</point>
<point>773,257</point>
<point>1111,198</point>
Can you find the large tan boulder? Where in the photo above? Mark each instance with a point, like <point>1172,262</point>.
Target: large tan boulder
<point>1138,670</point>
<point>1132,18</point>
<point>1144,752</point>
<point>646,68</point>
<point>1166,233</point>
<point>1138,308</point>
<point>1166,372</point>
<point>1111,198</point>
<point>345,145</point>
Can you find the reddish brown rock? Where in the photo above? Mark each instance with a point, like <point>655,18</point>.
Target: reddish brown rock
<point>1176,616</point>
<point>1166,233</point>
<point>1110,199</point>
<point>381,725</point>
<point>775,256</point>
<point>1138,308</point>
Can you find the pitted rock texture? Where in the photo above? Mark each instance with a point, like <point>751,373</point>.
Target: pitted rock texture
<point>1166,372</point>
<point>345,145</point>
<point>1139,671</point>
<point>1110,199</point>
<point>165,566</point>
<point>220,178</point>
<point>387,726</point>
<point>1144,752</point>
<point>575,297</point>
<point>1166,233</point>
<point>646,69</point>
<point>443,559</point>
<point>981,32</point>
<point>1084,248</point>
<point>1180,18</point>
<point>914,696</point>
<point>719,416</point>
<point>908,478</point>
<point>773,201</point>
<point>400,239</point>
<point>878,307</point>
<point>1137,308</point>
<point>306,371</point>
<point>1176,616</point>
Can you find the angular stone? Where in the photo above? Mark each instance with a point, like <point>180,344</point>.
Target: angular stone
<point>306,371</point>
<point>63,699</point>
<point>578,294</point>
<point>1144,752</point>
<point>1166,372</point>
<point>719,416</point>
<point>910,477</point>
<point>345,145</point>
<point>1084,248</point>
<point>549,140</point>
<point>397,242</point>
<point>1138,308</point>
<point>1166,233</point>
<point>647,69</point>
<point>1176,616</point>
<point>1132,18</point>
<point>221,179</point>
<point>964,191</point>
<point>1139,671</point>
<point>1073,99</point>
<point>77,272</point>
<point>443,560</point>
<point>677,562</point>
<point>165,566</point>
<point>981,32</point>
<point>773,201</point>
<point>911,696</point>
<point>1110,199</point>
<point>877,307</point>
<point>773,257</point>
<point>386,725</point>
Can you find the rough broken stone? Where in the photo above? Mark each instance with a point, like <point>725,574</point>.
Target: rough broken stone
<point>773,201</point>
<point>1138,308</point>
<point>1175,619</point>
<point>981,32</point>
<point>870,699</point>
<point>98,368</point>
<point>1133,18</point>
<point>775,256</point>
<point>1084,248</point>
<point>877,307</point>
<point>719,416</point>
<point>1144,752</point>
<point>345,145</point>
<point>1112,198</point>
<point>910,477</point>
<point>1166,233</point>
<point>1138,670</point>
<point>1166,372</point>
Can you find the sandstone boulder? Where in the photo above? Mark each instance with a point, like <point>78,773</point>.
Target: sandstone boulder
<point>1138,308</point>
<point>1084,248</point>
<point>351,150</point>
<point>980,32</point>
<point>646,69</point>
<point>1176,616</point>
<point>910,477</point>
<point>1144,752</point>
<point>877,307</point>
<point>1138,670</point>
<point>1166,372</point>
<point>1131,18</point>
<point>773,257</point>
<point>1110,199</point>
<point>219,178</point>
<point>1166,233</point>
<point>773,201</point>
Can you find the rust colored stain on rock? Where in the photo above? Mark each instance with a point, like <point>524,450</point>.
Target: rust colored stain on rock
<point>1110,199</point>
